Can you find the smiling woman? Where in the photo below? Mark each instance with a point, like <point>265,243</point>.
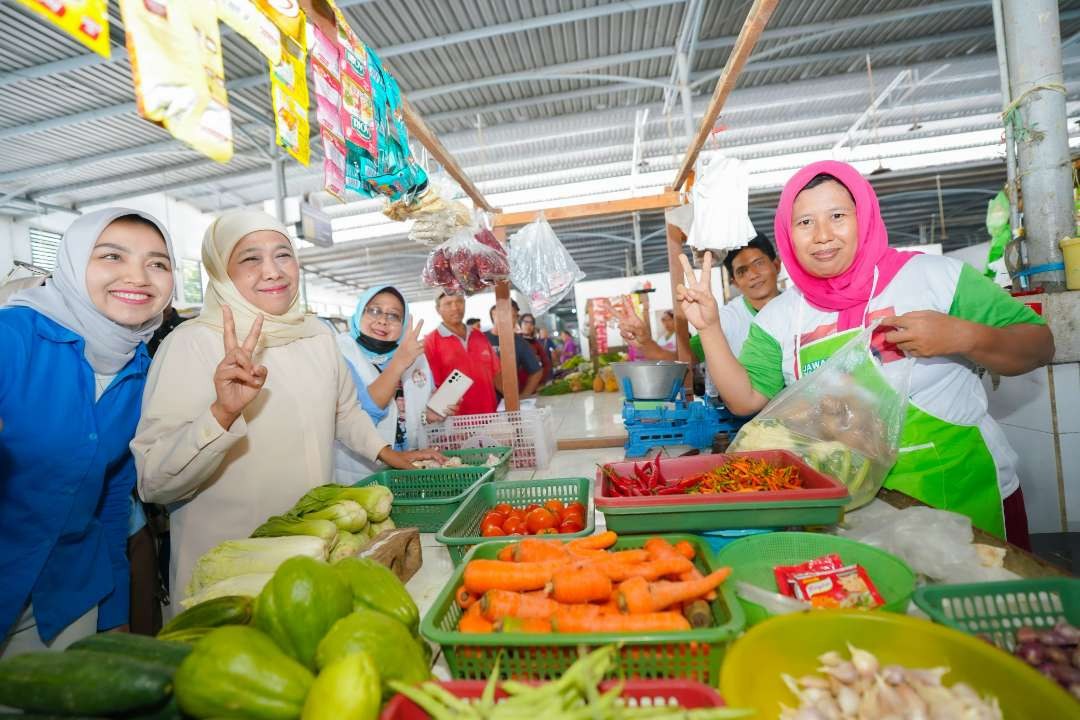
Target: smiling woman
<point>74,365</point>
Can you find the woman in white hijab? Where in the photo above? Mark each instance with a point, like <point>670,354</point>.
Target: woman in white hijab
<point>73,363</point>
<point>243,404</point>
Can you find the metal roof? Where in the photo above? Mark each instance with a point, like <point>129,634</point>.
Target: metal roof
<point>541,97</point>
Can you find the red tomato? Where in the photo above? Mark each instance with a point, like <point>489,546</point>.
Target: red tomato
<point>539,519</point>
<point>493,518</point>
<point>548,531</point>
<point>555,506</point>
<point>576,506</point>
<point>517,513</point>
<point>530,507</point>
<point>571,525</point>
<point>572,515</point>
<point>503,508</point>
<point>512,525</point>
<point>492,531</point>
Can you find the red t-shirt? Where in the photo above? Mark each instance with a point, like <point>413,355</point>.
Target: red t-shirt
<point>445,351</point>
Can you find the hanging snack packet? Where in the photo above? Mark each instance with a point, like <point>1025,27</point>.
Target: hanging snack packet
<point>398,176</point>
<point>357,110</point>
<point>85,20</point>
<point>327,100</point>
<point>333,166</point>
<point>288,89</point>
<point>325,64</point>
<point>252,25</point>
<point>210,129</point>
<point>286,14</point>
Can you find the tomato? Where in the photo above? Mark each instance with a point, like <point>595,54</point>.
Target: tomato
<point>516,513</point>
<point>576,506</point>
<point>492,518</point>
<point>492,531</point>
<point>540,519</point>
<point>503,508</point>
<point>571,525</point>
<point>512,525</point>
<point>548,531</point>
<point>530,507</point>
<point>555,506</point>
<point>572,515</point>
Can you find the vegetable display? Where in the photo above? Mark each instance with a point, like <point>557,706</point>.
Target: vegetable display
<point>545,586</point>
<point>1055,652</point>
<point>862,688</point>
<point>740,475</point>
<point>574,696</point>
<point>551,518</point>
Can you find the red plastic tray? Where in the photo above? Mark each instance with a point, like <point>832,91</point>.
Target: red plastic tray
<point>663,693</point>
<point>816,486</point>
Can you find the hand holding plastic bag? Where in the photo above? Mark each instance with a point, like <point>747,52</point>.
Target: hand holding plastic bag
<point>844,419</point>
<point>540,266</point>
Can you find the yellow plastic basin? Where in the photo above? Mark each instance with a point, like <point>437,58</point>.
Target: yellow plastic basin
<point>791,644</point>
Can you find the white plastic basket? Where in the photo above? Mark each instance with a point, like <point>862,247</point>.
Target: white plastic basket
<point>531,432</point>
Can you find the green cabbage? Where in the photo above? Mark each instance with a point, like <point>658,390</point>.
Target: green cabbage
<point>375,499</point>
<point>252,555</point>
<point>280,525</point>
<point>250,584</point>
<point>348,545</point>
<point>347,515</point>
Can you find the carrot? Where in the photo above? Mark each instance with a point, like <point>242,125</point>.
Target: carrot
<point>531,550</point>
<point>483,575</point>
<point>652,570</point>
<point>499,604</point>
<point>658,547</point>
<point>507,553</point>
<point>646,622</point>
<point>695,574</point>
<point>593,542</point>
<point>684,548</point>
<point>634,597</point>
<point>464,599</point>
<point>630,556</point>
<point>473,622</point>
<point>524,625</point>
<point>580,585</point>
<point>698,613</point>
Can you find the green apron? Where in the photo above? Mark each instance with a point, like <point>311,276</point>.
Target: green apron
<point>944,465</point>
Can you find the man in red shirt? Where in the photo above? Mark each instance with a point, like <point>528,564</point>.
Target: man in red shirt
<point>454,345</point>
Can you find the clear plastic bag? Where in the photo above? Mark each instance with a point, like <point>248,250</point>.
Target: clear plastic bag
<point>844,419</point>
<point>470,261</point>
<point>540,266</point>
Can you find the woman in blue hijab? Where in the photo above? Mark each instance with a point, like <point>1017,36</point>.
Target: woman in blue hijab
<point>393,382</point>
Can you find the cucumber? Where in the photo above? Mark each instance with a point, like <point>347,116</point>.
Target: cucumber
<point>138,647</point>
<point>83,682</point>
<point>228,610</point>
<point>189,636</point>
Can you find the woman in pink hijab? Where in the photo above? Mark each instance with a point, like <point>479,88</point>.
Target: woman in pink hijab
<point>938,310</point>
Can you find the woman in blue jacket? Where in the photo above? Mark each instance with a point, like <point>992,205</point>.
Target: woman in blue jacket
<point>74,362</point>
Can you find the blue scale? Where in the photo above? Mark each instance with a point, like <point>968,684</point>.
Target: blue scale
<point>674,421</point>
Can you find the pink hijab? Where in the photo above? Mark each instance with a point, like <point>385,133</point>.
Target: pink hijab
<point>849,292</point>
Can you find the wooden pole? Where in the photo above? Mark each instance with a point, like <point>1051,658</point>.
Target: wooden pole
<point>504,329</point>
<point>752,28</point>
<point>608,207</point>
<point>675,240</point>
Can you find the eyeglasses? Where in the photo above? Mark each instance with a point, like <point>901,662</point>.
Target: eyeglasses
<point>759,265</point>
<point>377,314</point>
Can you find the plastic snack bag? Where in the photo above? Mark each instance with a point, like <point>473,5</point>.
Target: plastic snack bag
<point>357,110</point>
<point>85,20</point>
<point>286,15</point>
<point>540,266</point>
<point>289,92</point>
<point>325,65</point>
<point>844,419</point>
<point>253,25</point>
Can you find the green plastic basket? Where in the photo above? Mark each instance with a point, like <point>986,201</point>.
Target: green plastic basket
<point>476,457</point>
<point>424,499</point>
<point>753,558</point>
<point>692,654</point>
<point>462,531</point>
<point>995,610</point>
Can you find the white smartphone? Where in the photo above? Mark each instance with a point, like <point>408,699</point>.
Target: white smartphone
<point>450,392</point>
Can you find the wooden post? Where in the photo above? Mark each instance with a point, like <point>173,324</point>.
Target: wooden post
<point>675,240</point>
<point>504,329</point>
<point>594,349</point>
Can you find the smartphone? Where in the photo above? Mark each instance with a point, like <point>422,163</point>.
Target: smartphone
<point>450,392</point>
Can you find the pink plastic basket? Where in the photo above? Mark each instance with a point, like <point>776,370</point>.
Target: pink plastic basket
<point>530,432</point>
<point>652,693</point>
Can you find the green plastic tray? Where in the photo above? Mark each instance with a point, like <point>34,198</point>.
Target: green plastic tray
<point>752,560</point>
<point>424,499</point>
<point>692,654</point>
<point>462,531</point>
<point>477,456</point>
<point>995,610</point>
<point>698,518</point>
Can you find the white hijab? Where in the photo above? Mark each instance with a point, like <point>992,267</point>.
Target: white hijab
<point>65,300</point>
<point>221,237</point>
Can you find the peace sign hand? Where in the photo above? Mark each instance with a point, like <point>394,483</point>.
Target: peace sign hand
<point>237,379</point>
<point>631,327</point>
<point>409,346</point>
<point>695,295</point>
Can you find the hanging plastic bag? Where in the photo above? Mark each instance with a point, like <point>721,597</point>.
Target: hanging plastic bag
<point>540,266</point>
<point>844,419</point>
<point>998,225</point>
<point>720,219</point>
<point>470,261</point>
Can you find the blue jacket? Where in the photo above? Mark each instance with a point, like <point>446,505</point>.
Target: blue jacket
<point>66,476</point>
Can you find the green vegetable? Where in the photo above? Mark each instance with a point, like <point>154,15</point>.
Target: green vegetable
<point>251,556</point>
<point>282,525</point>
<point>138,647</point>
<point>377,527</point>
<point>347,515</point>
<point>299,604</point>
<point>189,636</point>
<point>225,610</point>
<point>375,587</point>
<point>238,672</point>
<point>346,689</point>
<point>396,653</point>
<point>348,545</point>
<point>82,682</point>
<point>375,499</point>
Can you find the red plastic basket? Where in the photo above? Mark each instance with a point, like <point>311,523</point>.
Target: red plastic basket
<point>815,485</point>
<point>652,693</point>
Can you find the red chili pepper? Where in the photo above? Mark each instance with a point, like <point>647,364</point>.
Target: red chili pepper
<point>658,474</point>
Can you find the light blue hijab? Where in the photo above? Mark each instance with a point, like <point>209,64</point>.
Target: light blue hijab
<point>378,359</point>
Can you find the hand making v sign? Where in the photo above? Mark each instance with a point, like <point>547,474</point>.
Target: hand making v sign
<point>695,294</point>
<point>237,379</point>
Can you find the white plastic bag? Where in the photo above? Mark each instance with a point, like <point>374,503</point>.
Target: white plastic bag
<point>721,219</point>
<point>540,266</point>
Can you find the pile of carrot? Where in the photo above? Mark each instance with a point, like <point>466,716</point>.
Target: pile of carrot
<point>582,586</point>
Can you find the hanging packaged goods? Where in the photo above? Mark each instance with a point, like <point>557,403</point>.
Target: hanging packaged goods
<point>325,63</point>
<point>357,111</point>
<point>287,16</point>
<point>253,25</point>
<point>289,92</point>
<point>178,72</point>
<point>85,20</point>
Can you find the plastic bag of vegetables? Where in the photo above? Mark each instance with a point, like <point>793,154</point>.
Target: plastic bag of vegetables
<point>844,419</point>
